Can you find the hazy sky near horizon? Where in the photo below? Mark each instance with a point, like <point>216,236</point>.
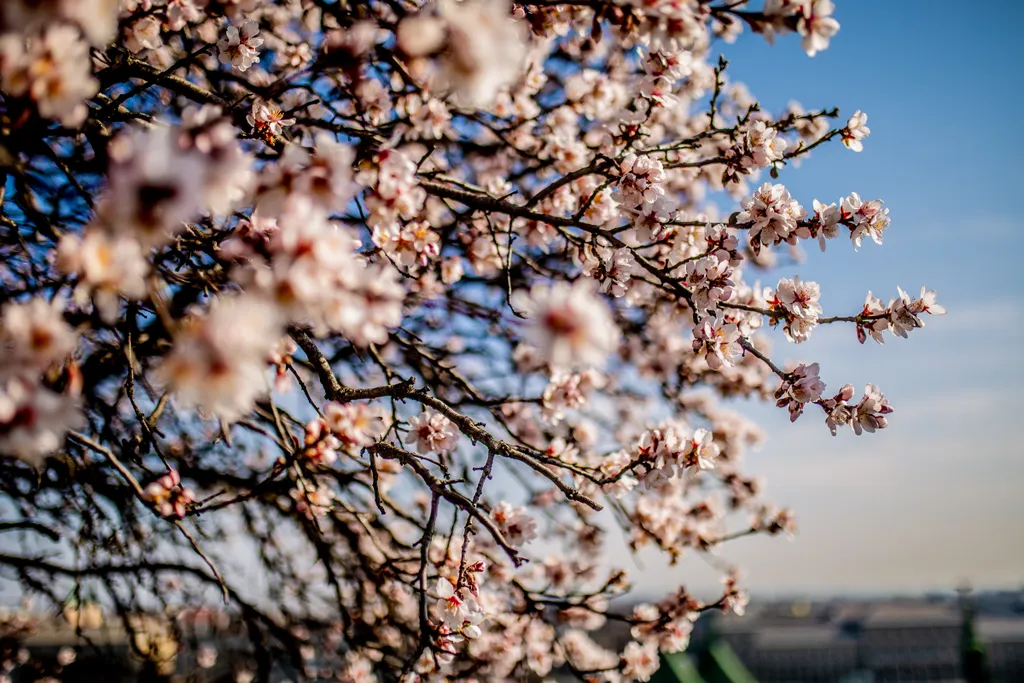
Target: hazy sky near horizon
<point>937,497</point>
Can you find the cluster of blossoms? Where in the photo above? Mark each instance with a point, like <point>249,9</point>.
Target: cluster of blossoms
<point>867,415</point>
<point>775,217</point>
<point>568,390</point>
<point>308,264</point>
<point>666,625</point>
<point>36,413</point>
<point>899,317</point>
<point>762,146</point>
<point>710,281</point>
<point>813,20</point>
<point>612,268</point>
<point>661,454</point>
<point>45,53</point>
<point>460,615</point>
<point>772,214</point>
<point>395,192</point>
<point>268,121</point>
<point>158,181</point>
<point>642,180</point>
<point>803,386</point>
<point>168,497</point>
<point>311,270</point>
<point>717,341</point>
<point>867,218</point>
<point>219,358</point>
<point>320,446</point>
<point>355,425</point>
<point>479,48</point>
<point>312,500</point>
<point>796,303</point>
<point>51,68</point>
<point>413,243</point>
<point>344,427</point>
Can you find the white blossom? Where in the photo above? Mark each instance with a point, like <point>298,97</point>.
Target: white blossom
<point>772,214</point>
<point>569,325</point>
<point>868,218</point>
<point>52,68</point>
<point>763,146</point>
<point>870,412</point>
<point>34,336</point>
<point>798,297</point>
<point>107,266</point>
<point>34,419</point>
<point>154,186</point>
<point>432,432</point>
<point>267,120</point>
<point>856,130</point>
<point>355,425</point>
<point>816,25</point>
<point>484,49</point>
<point>240,45</point>
<point>218,360</point>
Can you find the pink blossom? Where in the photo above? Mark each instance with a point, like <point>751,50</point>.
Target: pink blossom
<point>763,146</point>
<point>356,425</point>
<point>168,497</point>
<point>772,214</point>
<point>567,391</point>
<point>717,341</point>
<point>802,386</point>
<point>640,662</point>
<point>709,279</point>
<point>108,267</point>
<point>870,413</point>
<point>433,433</point>
<point>641,180</point>
<point>798,297</point>
<point>700,451</point>
<point>484,50</point>
<point>515,524</point>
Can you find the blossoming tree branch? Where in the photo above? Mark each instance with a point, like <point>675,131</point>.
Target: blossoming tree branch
<point>357,315</point>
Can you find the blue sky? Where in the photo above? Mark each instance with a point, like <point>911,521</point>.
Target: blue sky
<point>936,498</point>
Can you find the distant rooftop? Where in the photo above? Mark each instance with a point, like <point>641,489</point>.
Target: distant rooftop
<point>1000,629</point>
<point>803,637</point>
<point>906,615</point>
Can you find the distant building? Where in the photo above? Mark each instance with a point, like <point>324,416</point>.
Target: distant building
<point>898,641</point>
